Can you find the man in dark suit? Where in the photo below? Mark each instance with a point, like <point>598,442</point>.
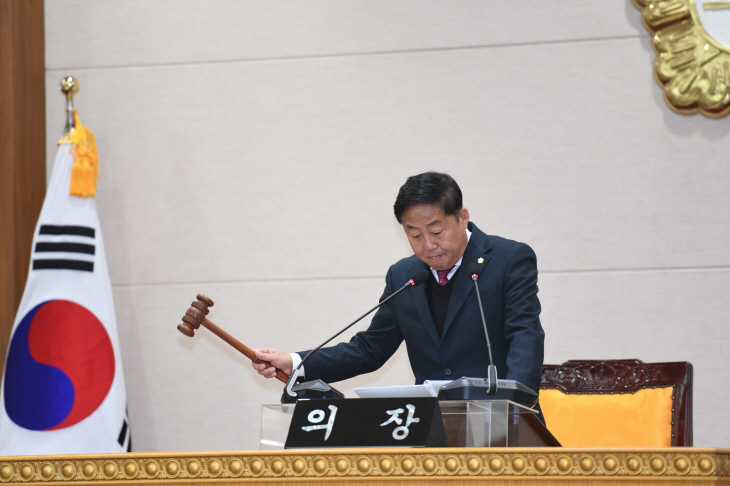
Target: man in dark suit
<point>440,321</point>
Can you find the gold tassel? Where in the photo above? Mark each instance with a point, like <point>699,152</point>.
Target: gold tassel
<point>85,170</point>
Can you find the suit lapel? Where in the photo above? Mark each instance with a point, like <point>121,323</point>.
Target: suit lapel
<point>421,301</point>
<point>478,247</point>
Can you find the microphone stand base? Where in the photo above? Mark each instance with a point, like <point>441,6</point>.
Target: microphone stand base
<point>478,389</point>
<point>311,390</point>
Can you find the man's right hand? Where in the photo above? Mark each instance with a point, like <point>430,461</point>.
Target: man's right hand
<point>278,359</point>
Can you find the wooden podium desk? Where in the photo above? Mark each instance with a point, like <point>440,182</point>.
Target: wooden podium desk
<point>495,466</point>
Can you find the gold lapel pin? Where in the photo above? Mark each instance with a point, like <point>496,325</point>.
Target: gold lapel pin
<point>481,260</point>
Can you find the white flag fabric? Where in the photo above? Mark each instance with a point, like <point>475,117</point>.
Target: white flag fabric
<point>63,387</point>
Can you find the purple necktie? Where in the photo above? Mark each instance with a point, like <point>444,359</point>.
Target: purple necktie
<point>442,276</point>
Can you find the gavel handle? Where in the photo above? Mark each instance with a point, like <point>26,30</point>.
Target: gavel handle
<point>248,352</point>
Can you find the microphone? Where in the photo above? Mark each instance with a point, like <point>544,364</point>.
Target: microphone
<point>465,388</point>
<point>320,387</point>
<point>473,271</point>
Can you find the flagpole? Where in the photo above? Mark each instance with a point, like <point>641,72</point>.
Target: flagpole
<point>69,87</point>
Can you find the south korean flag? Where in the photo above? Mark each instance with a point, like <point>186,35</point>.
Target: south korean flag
<point>63,387</point>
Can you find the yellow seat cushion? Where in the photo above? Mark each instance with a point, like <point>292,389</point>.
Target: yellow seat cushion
<point>641,419</point>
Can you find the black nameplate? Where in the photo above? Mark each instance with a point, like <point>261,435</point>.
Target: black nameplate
<point>367,422</point>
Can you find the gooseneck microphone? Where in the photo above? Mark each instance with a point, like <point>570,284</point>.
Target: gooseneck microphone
<point>290,395</point>
<point>473,271</point>
<point>489,388</point>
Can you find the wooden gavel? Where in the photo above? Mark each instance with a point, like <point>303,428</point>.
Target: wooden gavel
<point>195,316</point>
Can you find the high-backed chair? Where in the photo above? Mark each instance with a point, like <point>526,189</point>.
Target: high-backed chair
<point>618,403</point>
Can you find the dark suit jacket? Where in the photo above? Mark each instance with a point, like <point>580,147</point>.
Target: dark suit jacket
<point>508,288</point>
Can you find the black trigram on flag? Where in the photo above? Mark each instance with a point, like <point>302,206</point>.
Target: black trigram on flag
<point>125,435</point>
<point>78,241</point>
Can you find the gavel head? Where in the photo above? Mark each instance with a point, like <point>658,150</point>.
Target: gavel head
<point>195,315</point>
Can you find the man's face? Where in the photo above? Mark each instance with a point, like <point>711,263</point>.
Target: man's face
<point>437,239</point>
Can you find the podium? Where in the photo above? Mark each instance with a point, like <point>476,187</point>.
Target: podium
<point>467,423</point>
<point>493,423</point>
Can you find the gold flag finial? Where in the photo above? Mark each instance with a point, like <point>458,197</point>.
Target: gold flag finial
<point>69,87</point>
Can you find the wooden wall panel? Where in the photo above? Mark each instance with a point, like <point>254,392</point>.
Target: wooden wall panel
<point>22,148</point>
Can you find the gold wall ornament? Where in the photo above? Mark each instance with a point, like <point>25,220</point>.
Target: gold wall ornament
<point>692,42</point>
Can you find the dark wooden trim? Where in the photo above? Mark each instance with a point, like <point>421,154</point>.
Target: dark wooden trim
<point>22,149</point>
<point>628,376</point>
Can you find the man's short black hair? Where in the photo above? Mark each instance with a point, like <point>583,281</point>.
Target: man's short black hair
<point>429,188</point>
